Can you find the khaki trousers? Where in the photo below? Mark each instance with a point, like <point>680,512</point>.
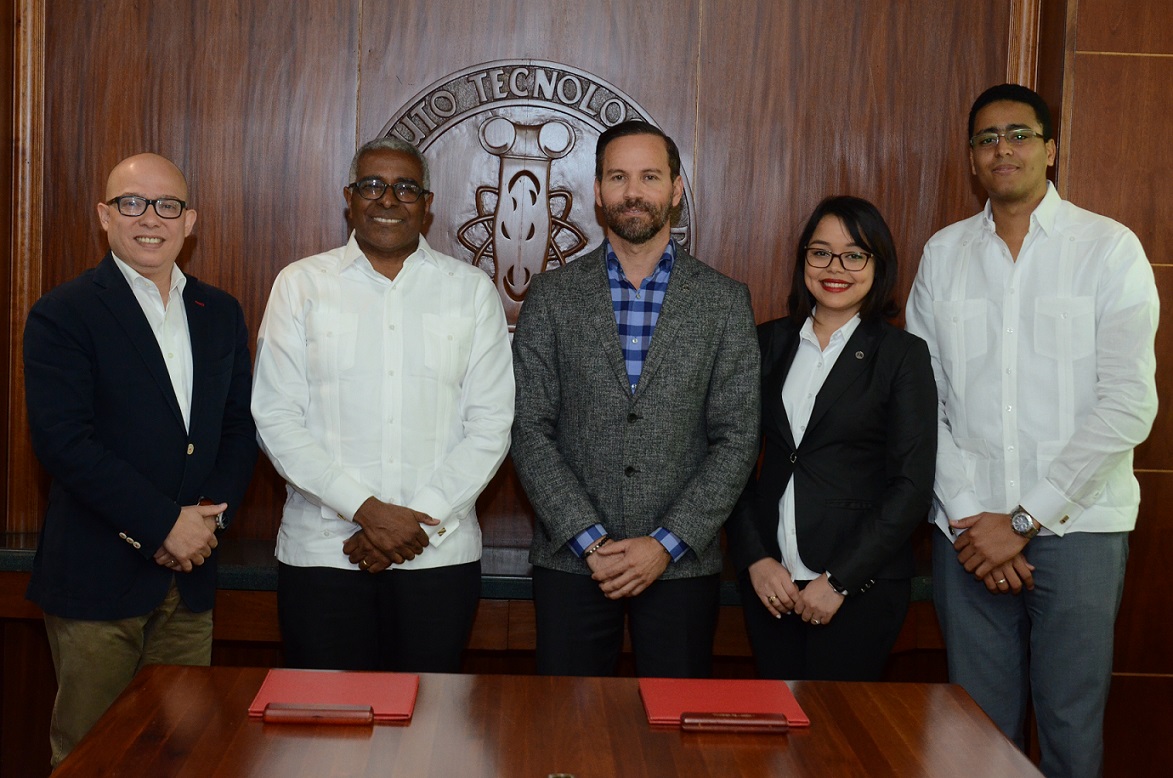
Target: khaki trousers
<point>96,660</point>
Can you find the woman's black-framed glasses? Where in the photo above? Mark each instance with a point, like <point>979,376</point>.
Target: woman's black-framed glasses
<point>850,260</point>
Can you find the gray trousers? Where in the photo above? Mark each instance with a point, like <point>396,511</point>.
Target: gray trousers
<point>1053,643</point>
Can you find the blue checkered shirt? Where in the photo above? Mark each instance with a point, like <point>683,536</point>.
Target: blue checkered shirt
<point>638,310</point>
<point>636,314</point>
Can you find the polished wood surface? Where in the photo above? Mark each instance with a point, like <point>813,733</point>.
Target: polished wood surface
<point>193,722</point>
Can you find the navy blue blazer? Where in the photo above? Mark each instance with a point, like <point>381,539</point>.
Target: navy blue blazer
<point>863,474</point>
<point>107,427</point>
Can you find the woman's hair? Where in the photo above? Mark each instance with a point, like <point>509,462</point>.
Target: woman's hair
<point>870,232</point>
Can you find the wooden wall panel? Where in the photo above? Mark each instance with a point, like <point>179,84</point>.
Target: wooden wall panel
<point>803,100</point>
<point>1144,632</point>
<point>255,103</point>
<point>1134,26</point>
<point>7,141</point>
<point>1122,161</point>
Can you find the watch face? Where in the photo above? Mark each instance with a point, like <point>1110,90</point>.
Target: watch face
<point>1021,523</point>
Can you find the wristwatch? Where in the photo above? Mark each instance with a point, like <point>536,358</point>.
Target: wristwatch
<point>1023,523</point>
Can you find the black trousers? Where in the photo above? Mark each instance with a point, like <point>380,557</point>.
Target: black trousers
<point>854,646</point>
<point>580,631</point>
<point>400,620</point>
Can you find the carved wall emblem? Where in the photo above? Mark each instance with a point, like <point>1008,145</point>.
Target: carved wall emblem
<point>511,145</point>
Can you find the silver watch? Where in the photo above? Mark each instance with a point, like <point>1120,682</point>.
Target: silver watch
<point>1023,523</point>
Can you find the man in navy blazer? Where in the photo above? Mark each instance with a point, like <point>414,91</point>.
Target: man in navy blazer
<point>137,380</point>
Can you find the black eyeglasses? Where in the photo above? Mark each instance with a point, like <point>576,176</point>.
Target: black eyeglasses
<point>1015,137</point>
<point>374,188</point>
<point>851,260</point>
<point>133,205</point>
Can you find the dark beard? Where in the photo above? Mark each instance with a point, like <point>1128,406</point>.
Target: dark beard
<point>636,229</point>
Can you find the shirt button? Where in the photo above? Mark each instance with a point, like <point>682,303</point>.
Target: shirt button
<point>325,533</point>
<point>1010,448</point>
<point>635,340</point>
<point>1010,330</point>
<point>1009,408</point>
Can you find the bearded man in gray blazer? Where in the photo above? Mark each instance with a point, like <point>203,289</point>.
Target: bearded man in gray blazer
<point>636,427</point>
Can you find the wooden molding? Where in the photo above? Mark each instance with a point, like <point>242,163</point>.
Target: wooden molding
<point>1022,51</point>
<point>23,504</point>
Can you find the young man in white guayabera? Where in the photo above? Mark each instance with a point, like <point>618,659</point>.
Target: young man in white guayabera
<point>1040,319</point>
<point>383,396</point>
<point>637,420</point>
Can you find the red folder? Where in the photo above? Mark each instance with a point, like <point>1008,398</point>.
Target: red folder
<point>666,698</point>
<point>390,695</point>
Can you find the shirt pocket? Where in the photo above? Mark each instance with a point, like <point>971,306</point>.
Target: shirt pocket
<point>331,341</point>
<point>447,342</point>
<point>961,327</point>
<point>1065,327</point>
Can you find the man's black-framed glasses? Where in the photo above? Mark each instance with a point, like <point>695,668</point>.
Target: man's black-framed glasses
<point>133,205</point>
<point>851,260</point>
<point>374,188</point>
<point>1017,136</point>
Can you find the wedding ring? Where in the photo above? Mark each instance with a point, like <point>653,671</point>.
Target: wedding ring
<point>816,622</point>
<point>772,598</point>
<point>364,564</point>
<point>1001,581</point>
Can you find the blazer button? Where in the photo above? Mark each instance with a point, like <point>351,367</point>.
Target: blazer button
<point>190,449</point>
<point>629,471</point>
<point>632,418</point>
<point>793,457</point>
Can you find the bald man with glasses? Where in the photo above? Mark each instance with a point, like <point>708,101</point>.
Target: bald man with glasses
<point>137,381</point>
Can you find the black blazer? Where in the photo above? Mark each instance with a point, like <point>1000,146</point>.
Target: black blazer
<point>107,427</point>
<point>863,475</point>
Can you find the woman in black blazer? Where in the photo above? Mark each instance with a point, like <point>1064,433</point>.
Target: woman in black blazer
<point>821,536</point>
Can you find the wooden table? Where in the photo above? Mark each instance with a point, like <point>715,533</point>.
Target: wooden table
<point>193,721</point>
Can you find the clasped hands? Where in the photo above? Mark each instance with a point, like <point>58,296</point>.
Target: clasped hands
<point>390,535</point>
<point>991,550</point>
<point>624,568</point>
<point>816,604</point>
<point>191,539</point>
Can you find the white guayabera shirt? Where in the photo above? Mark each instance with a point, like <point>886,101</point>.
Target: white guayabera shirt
<point>1045,367</point>
<point>398,389</point>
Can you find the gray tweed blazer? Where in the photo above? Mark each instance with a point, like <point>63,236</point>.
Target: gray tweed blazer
<point>675,454</point>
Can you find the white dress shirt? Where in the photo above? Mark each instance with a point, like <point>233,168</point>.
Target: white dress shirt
<point>169,325</point>
<point>1045,367</point>
<point>401,390</point>
<point>805,378</point>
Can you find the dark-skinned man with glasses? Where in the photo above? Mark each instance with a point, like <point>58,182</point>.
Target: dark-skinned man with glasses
<point>137,381</point>
<point>384,397</point>
<point>1040,318</point>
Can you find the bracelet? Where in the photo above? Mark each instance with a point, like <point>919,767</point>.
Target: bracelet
<point>602,541</point>
<point>843,590</point>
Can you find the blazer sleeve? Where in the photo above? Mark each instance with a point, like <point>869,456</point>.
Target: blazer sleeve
<point>558,497</point>
<point>236,455</point>
<point>742,531</point>
<point>732,421</point>
<point>910,462</point>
